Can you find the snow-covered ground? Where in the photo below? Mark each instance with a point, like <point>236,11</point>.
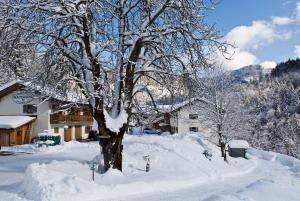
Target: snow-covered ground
<point>178,171</point>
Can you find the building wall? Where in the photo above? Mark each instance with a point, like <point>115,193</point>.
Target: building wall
<point>42,122</point>
<point>43,118</point>
<point>181,119</point>
<point>9,107</point>
<point>61,130</point>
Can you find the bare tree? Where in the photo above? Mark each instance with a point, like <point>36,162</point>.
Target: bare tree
<point>219,107</point>
<point>16,52</point>
<point>107,47</point>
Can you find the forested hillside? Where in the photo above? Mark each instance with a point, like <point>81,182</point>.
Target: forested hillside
<point>286,67</point>
<point>273,104</point>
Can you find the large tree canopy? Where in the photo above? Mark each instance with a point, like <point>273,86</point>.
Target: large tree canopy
<point>106,48</point>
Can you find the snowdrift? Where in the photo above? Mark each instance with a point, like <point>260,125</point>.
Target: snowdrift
<point>175,162</point>
<point>283,184</point>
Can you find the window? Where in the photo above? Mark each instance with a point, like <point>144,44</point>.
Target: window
<point>56,130</point>
<point>193,116</point>
<point>88,129</point>
<point>193,129</point>
<point>29,109</point>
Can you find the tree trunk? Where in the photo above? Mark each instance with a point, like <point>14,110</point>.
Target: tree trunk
<point>223,151</point>
<point>222,144</point>
<point>110,142</point>
<point>112,148</point>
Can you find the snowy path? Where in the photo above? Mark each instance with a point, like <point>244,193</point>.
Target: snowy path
<point>270,180</point>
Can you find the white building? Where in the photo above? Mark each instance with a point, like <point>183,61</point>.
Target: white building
<point>16,103</point>
<point>182,118</point>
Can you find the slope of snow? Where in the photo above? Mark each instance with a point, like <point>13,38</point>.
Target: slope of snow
<point>276,178</point>
<point>178,171</point>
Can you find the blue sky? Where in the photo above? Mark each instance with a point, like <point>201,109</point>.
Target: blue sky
<point>263,31</point>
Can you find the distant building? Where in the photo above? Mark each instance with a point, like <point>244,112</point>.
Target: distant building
<point>180,118</point>
<point>24,114</point>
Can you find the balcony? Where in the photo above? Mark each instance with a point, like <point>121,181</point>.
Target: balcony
<point>70,119</point>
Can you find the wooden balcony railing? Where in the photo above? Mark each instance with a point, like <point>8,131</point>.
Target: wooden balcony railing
<point>65,119</point>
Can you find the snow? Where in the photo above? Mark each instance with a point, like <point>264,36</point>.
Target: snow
<point>178,171</point>
<point>174,107</point>
<point>9,84</point>
<point>56,180</point>
<point>238,144</point>
<point>114,124</point>
<point>8,122</point>
<point>49,142</point>
<point>48,133</point>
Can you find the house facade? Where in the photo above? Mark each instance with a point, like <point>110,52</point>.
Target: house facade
<point>24,114</point>
<point>182,118</point>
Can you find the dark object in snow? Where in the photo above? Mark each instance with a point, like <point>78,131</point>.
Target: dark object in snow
<point>34,140</point>
<point>238,148</point>
<point>237,152</point>
<point>93,135</point>
<point>148,162</point>
<point>151,131</point>
<point>207,154</point>
<point>93,167</point>
<point>48,139</point>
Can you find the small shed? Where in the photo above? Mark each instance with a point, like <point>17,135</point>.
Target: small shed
<point>238,148</point>
<point>15,130</point>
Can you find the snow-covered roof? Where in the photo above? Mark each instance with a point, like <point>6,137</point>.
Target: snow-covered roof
<point>8,122</point>
<point>174,107</point>
<point>238,144</point>
<point>9,84</point>
<point>70,97</point>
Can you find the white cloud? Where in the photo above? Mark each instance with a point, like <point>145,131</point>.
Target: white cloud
<point>297,11</point>
<point>294,18</point>
<point>297,50</point>
<point>237,58</point>
<point>245,37</point>
<point>268,64</point>
<point>281,20</point>
<point>258,34</point>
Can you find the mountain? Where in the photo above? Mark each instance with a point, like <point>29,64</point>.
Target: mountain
<point>248,73</point>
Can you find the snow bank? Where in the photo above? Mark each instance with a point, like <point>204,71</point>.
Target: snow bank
<point>287,161</point>
<point>175,162</point>
<point>65,147</point>
<point>55,181</point>
<point>7,196</point>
